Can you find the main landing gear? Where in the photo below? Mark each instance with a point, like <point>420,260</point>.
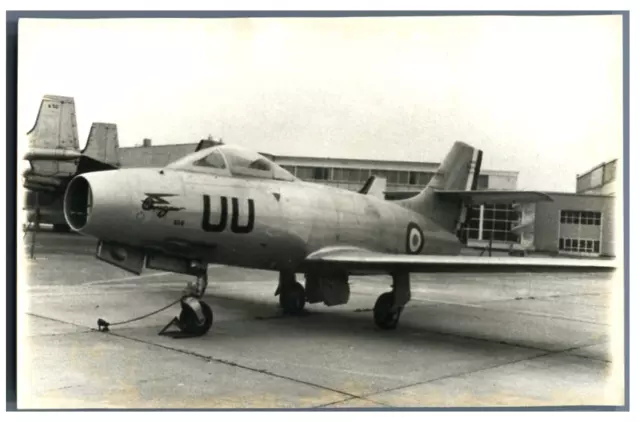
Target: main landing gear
<point>196,317</point>
<point>292,294</point>
<point>389,306</point>
<point>386,312</point>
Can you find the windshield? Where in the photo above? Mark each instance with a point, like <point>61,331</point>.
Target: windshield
<point>234,161</point>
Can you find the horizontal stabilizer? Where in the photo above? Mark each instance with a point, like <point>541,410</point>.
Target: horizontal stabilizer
<point>87,164</point>
<point>374,186</point>
<point>469,197</point>
<point>54,154</point>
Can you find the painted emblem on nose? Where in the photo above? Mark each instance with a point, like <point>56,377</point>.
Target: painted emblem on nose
<point>156,202</point>
<point>414,239</point>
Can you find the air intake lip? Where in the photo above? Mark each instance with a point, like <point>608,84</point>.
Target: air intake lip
<point>78,202</point>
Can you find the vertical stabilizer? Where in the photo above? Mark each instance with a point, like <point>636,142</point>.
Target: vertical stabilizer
<point>55,125</point>
<point>454,173</point>
<point>103,143</point>
<point>55,128</point>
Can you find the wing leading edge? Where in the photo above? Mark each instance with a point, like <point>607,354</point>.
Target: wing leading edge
<point>361,260</point>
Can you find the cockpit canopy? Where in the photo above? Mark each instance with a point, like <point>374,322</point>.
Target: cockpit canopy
<point>234,161</point>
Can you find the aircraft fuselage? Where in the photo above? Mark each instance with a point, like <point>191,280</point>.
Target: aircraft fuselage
<point>255,223</point>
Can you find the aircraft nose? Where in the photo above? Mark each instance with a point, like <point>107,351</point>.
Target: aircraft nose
<point>99,203</point>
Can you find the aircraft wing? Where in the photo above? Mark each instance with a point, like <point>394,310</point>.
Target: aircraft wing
<point>478,197</point>
<point>357,260</point>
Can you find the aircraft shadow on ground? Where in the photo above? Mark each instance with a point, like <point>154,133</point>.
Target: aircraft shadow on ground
<point>318,322</point>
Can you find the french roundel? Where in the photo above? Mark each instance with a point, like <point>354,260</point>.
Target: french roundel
<point>415,239</point>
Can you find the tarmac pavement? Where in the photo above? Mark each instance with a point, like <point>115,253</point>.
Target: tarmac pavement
<point>463,340</point>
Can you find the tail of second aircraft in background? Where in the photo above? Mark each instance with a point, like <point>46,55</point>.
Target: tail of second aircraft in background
<point>54,155</point>
<point>460,166</point>
<point>55,130</point>
<point>102,144</point>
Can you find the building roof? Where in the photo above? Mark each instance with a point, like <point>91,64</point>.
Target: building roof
<point>603,164</point>
<point>162,154</point>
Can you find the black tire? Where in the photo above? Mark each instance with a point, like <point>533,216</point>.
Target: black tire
<point>383,316</point>
<point>189,321</point>
<point>293,298</point>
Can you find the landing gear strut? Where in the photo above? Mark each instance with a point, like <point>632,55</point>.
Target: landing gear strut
<point>292,294</point>
<point>196,317</point>
<point>389,306</point>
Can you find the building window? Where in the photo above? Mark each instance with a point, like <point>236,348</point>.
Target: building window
<point>473,224</point>
<point>579,245</point>
<point>304,173</point>
<point>413,178</point>
<point>586,218</point>
<point>483,182</point>
<point>424,178</point>
<point>497,222</point>
<point>321,173</point>
<point>290,169</point>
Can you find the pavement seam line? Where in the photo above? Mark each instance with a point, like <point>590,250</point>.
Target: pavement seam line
<point>237,365</point>
<point>211,359</point>
<point>478,305</point>
<point>59,320</point>
<point>461,374</point>
<point>347,399</point>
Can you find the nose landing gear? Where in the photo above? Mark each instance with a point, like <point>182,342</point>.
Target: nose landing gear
<point>196,317</point>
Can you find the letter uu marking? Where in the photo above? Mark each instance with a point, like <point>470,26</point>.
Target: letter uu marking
<point>224,216</point>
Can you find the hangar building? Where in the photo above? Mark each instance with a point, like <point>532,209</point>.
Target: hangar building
<point>579,223</point>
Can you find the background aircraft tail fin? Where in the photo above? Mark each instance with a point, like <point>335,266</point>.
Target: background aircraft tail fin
<point>55,125</point>
<point>458,171</point>
<point>103,144</point>
<point>55,130</point>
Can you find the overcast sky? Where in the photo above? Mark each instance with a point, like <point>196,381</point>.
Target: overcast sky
<point>540,95</point>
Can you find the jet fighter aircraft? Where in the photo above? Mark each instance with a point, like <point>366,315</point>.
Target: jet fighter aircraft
<point>231,206</point>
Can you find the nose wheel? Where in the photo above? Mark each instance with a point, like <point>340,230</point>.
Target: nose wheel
<point>196,317</point>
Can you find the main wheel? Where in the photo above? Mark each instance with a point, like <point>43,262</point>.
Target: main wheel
<point>383,315</point>
<point>292,298</point>
<point>196,317</point>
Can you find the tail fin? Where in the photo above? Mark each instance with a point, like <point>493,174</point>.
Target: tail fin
<point>55,125</point>
<point>55,128</point>
<point>102,144</point>
<point>458,171</point>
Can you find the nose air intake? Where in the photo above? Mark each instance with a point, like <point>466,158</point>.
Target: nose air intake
<point>78,201</point>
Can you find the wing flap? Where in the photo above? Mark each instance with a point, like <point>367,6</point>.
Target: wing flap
<point>357,260</point>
